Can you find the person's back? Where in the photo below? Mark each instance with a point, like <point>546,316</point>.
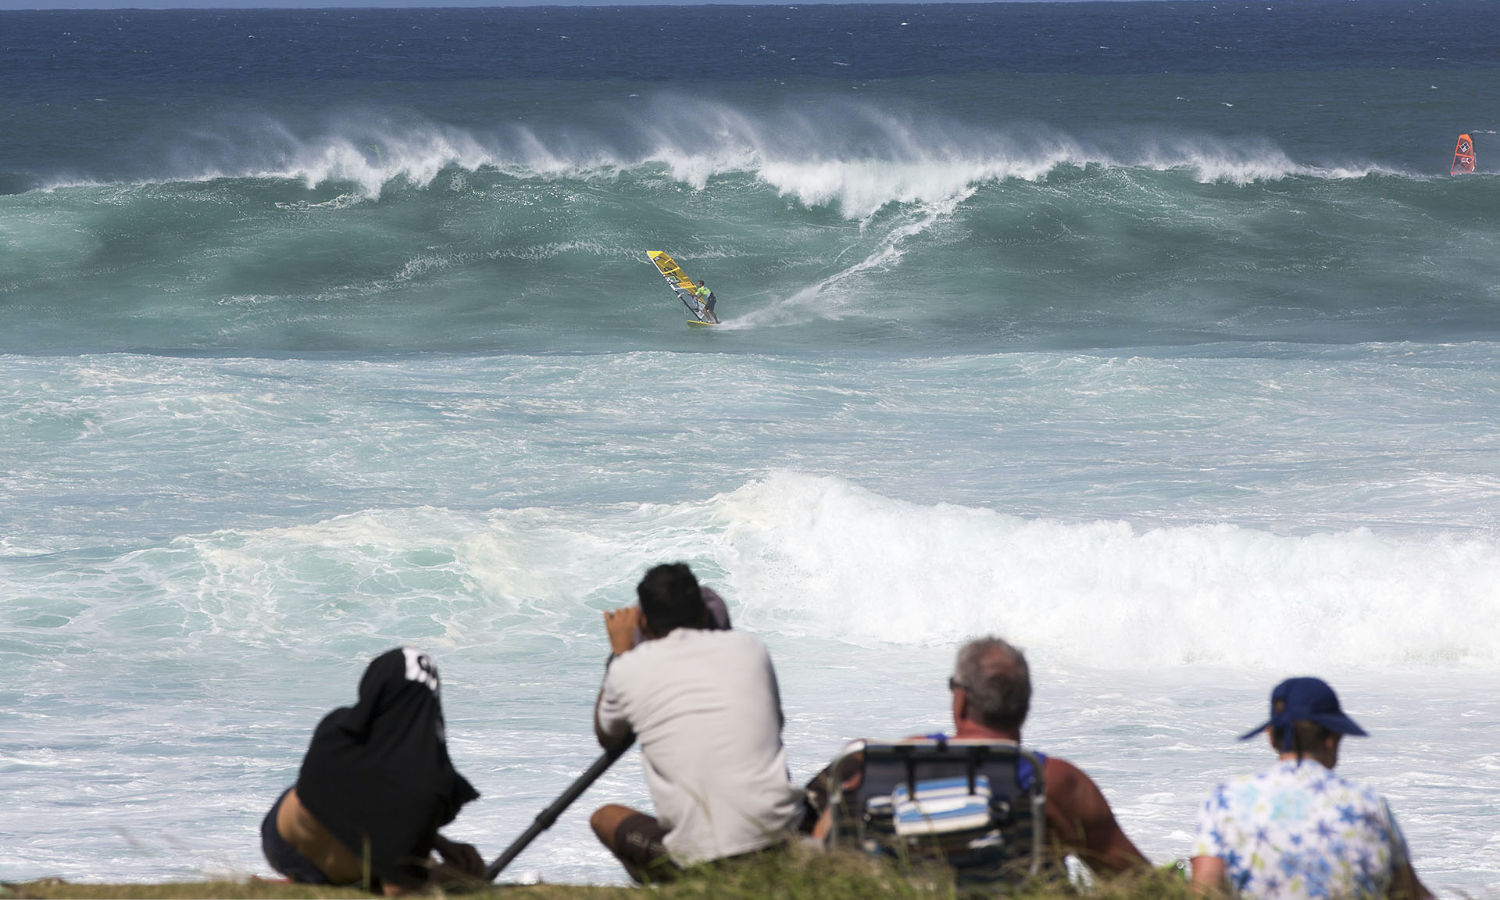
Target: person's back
<point>346,820</point>
<point>1298,830</point>
<point>703,705</point>
<point>706,709</point>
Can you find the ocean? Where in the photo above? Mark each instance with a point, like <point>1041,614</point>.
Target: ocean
<point>1152,336</point>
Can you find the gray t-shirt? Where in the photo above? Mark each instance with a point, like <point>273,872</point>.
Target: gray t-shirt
<point>705,708</point>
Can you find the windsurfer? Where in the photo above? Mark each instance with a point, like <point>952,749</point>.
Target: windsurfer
<point>1463,156</point>
<point>706,302</point>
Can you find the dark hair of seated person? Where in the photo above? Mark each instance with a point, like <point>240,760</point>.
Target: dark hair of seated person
<point>670,599</point>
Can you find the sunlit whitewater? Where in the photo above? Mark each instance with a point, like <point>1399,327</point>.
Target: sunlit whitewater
<point>1091,330</point>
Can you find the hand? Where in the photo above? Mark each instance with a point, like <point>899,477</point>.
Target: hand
<point>463,857</point>
<point>621,624</point>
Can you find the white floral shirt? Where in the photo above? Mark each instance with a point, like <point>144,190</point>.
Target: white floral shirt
<point>1299,831</point>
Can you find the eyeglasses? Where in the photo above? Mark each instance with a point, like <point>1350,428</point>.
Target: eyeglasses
<point>954,684</point>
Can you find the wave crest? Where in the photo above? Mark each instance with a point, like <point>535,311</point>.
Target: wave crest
<point>850,156</point>
<point>821,556</point>
<point>812,556</point>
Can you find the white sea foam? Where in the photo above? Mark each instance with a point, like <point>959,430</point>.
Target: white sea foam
<point>819,557</point>
<point>822,557</point>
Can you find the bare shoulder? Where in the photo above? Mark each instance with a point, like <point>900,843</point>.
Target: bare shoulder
<point>1072,796</point>
<point>1065,779</point>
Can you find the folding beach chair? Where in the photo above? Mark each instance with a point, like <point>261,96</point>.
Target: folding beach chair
<point>978,807</point>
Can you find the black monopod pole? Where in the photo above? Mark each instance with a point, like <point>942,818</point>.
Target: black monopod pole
<point>546,817</point>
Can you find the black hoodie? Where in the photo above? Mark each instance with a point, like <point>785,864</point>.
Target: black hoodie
<point>377,774</point>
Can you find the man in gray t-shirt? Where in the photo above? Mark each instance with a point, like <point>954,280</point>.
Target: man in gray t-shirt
<point>705,707</point>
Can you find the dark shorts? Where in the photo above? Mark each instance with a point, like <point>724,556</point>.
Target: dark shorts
<point>638,844</point>
<point>282,856</point>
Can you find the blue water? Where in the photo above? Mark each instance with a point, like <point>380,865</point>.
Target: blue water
<point>1153,336</point>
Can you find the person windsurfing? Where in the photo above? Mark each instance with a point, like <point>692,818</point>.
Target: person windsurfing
<point>706,302</point>
<point>1463,156</point>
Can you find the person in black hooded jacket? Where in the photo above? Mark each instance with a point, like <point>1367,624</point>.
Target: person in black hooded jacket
<point>375,787</point>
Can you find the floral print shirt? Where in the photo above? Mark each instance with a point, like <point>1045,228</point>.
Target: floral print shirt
<point>1299,831</point>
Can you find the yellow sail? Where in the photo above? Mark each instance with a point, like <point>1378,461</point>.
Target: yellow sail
<point>670,270</point>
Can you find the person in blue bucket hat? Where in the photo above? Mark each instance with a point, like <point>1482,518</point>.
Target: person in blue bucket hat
<point>1298,830</point>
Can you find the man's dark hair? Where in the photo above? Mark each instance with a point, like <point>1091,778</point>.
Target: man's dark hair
<point>997,681</point>
<point>1305,738</point>
<point>670,599</point>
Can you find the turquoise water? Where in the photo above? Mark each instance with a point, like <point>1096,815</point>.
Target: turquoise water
<point>916,244</point>
<point>1068,332</point>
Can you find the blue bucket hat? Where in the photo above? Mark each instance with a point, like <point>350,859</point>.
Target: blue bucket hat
<point>1306,700</point>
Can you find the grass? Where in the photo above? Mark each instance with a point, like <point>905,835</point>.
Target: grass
<point>801,876</point>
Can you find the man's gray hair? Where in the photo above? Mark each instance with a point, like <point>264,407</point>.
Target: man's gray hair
<point>997,680</point>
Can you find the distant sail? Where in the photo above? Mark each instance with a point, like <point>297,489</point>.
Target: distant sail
<point>1463,156</point>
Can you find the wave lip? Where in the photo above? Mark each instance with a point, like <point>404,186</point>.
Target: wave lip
<point>855,156</point>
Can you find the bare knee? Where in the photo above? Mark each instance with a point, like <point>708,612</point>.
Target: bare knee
<point>606,821</point>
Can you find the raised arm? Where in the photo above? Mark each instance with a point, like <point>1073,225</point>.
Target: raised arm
<point>610,727</point>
